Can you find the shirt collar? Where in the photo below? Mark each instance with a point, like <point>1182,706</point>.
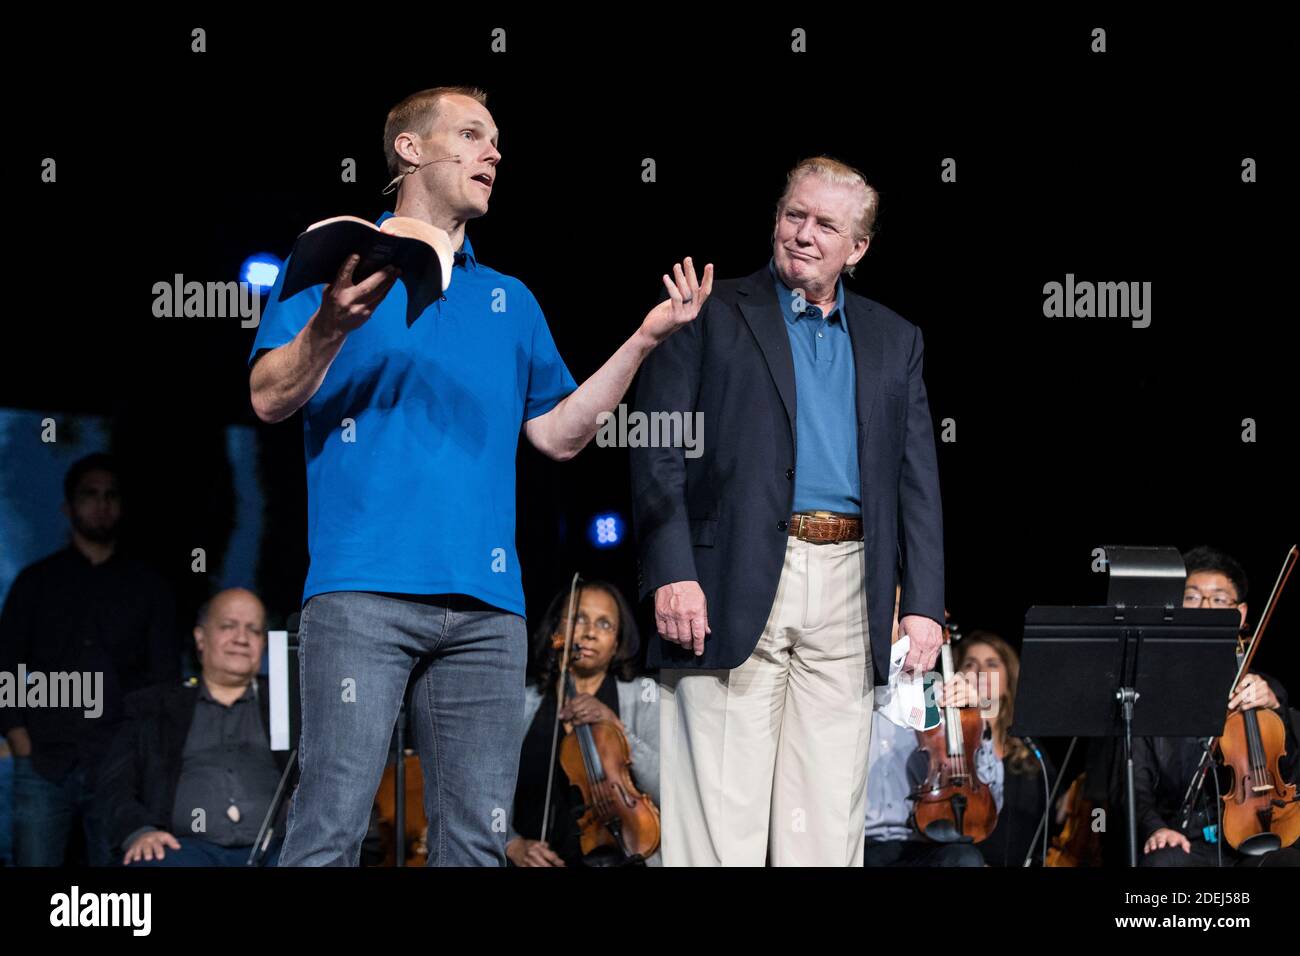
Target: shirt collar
<point>250,692</point>
<point>466,249</point>
<point>786,297</point>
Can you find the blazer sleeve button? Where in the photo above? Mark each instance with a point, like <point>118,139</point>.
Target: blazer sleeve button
<point>789,474</point>
<point>781,526</point>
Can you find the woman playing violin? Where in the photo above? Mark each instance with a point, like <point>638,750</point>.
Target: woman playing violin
<point>605,643</point>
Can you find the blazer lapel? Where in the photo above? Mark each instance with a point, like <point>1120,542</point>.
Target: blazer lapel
<point>868,355</point>
<point>762,313</point>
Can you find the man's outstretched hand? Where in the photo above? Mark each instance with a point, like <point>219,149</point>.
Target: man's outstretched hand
<point>686,296</point>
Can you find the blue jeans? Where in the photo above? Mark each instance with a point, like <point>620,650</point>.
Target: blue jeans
<point>195,852</point>
<point>465,664</point>
<point>44,814</point>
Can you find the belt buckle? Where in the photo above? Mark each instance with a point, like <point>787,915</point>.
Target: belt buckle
<point>819,515</point>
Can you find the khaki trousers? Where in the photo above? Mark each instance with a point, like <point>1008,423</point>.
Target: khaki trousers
<point>767,762</point>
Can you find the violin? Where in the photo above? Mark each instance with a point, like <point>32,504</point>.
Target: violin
<point>618,824</point>
<point>953,805</point>
<point>1260,810</point>
<point>1077,844</point>
<point>1259,802</point>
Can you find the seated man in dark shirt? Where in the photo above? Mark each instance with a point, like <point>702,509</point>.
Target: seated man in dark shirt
<point>1163,767</point>
<point>93,616</point>
<point>191,774</point>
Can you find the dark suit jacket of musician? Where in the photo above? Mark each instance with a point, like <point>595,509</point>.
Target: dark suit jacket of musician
<point>720,518</point>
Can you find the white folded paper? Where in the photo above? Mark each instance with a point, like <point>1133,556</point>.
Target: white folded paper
<point>903,699</point>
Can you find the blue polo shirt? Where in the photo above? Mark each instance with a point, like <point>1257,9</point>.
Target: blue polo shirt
<point>826,475</point>
<point>412,437</point>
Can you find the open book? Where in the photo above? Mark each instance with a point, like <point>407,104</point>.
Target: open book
<point>423,253</point>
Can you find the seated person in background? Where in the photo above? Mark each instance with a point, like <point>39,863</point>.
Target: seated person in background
<point>896,766</point>
<point>605,642</point>
<point>1163,767</point>
<point>997,669</point>
<point>191,773</point>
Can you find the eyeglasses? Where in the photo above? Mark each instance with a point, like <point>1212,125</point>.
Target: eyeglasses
<point>602,623</point>
<point>1220,599</point>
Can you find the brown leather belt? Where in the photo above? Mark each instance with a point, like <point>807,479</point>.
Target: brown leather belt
<point>825,527</point>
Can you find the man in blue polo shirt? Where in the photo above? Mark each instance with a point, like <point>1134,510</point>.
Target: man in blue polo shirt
<point>411,435</point>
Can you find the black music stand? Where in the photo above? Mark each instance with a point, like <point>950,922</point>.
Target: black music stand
<point>1083,669</point>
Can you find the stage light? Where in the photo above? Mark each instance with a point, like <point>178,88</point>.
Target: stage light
<point>606,530</point>
<point>261,270</point>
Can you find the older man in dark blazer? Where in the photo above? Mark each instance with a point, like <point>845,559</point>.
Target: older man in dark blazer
<point>773,555</point>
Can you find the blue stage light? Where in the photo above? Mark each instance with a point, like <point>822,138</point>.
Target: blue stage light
<point>606,530</point>
<point>261,269</point>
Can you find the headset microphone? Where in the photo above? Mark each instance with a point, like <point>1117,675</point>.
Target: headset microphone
<point>454,158</point>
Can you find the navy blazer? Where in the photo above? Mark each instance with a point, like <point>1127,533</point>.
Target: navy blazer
<point>720,518</point>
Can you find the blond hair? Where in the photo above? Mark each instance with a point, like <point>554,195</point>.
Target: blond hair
<point>416,114</point>
<point>831,170</point>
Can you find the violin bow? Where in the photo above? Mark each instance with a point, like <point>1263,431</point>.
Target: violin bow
<point>559,698</point>
<point>1287,565</point>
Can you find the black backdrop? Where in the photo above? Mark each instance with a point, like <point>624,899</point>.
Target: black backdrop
<point>1122,166</point>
